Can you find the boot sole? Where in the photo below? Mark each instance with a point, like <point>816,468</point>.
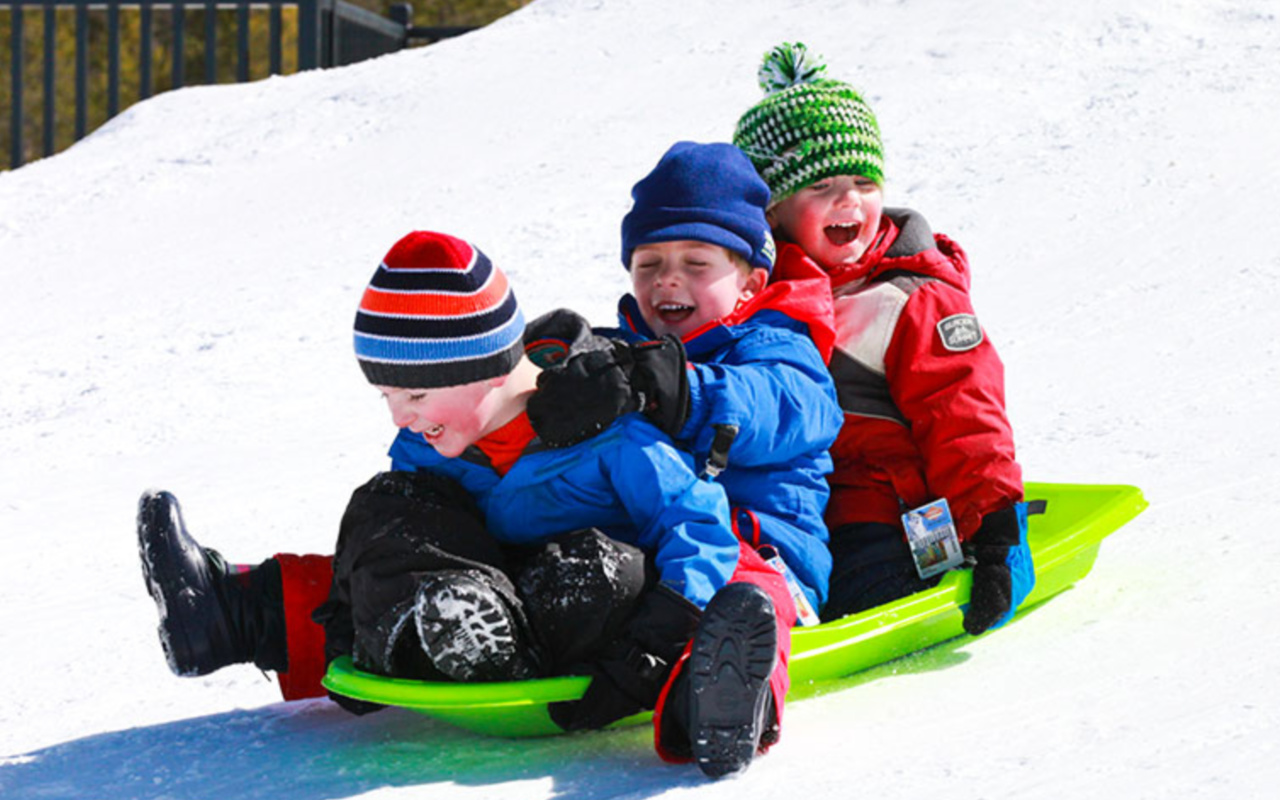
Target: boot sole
<point>733,656</point>
<point>466,633</point>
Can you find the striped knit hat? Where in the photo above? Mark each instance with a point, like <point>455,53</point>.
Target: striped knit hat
<point>437,313</point>
<point>807,127</point>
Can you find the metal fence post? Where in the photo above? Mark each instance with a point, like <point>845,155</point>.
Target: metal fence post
<point>50,71</point>
<point>16,59</point>
<point>309,28</point>
<point>82,71</point>
<point>210,42</point>
<point>113,60</point>
<point>242,42</point>
<point>145,51</point>
<point>178,13</point>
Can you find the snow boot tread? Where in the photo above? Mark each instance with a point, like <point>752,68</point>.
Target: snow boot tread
<point>467,631</point>
<point>733,656</point>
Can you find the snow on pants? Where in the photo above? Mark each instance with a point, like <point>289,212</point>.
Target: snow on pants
<point>751,569</point>
<point>399,528</point>
<point>578,589</point>
<point>575,592</point>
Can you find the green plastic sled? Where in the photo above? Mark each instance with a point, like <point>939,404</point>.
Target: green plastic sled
<point>1064,544</point>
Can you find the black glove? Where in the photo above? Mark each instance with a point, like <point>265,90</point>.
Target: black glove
<point>990,547</point>
<point>584,394</point>
<point>630,673</point>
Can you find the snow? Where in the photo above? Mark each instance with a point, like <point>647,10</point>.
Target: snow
<point>178,296</point>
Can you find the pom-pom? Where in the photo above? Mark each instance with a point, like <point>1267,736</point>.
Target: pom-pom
<point>788,65</point>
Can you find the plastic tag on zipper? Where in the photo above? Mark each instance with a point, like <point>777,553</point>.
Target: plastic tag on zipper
<point>931,533</point>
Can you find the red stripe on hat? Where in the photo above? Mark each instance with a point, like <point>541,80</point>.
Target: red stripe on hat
<point>436,304</point>
<point>430,250</point>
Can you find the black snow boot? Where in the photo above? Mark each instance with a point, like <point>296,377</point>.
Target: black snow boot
<point>211,615</point>
<point>729,702</point>
<point>468,631</point>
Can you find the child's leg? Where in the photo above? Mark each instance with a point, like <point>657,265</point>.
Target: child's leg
<point>416,578</point>
<point>724,701</point>
<point>599,609</point>
<point>212,614</point>
<point>872,565</point>
<point>305,582</point>
<point>578,590</point>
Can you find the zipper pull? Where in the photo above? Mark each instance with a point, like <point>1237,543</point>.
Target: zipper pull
<point>718,458</point>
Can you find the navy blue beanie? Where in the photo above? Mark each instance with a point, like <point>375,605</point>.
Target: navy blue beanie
<point>705,193</point>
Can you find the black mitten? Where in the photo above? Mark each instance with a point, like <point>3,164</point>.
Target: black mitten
<point>992,595</point>
<point>581,396</point>
<point>660,379</point>
<point>631,671</point>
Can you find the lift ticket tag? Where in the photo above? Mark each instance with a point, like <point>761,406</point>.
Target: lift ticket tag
<point>805,615</point>
<point>932,536</point>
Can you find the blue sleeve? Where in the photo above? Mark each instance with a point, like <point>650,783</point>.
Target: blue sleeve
<point>684,521</point>
<point>774,386</point>
<point>409,451</point>
<point>633,484</point>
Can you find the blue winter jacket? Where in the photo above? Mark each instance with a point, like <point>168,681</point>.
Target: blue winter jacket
<point>629,481</point>
<point>763,369</point>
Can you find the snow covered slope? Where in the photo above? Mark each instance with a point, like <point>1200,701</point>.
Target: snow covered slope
<point>178,292</point>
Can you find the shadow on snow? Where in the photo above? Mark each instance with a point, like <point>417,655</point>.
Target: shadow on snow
<point>314,750</point>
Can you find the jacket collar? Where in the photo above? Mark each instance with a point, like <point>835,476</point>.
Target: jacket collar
<point>804,296</point>
<point>904,243</point>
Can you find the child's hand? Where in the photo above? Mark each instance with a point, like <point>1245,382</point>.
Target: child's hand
<point>1001,574</point>
<point>584,394</point>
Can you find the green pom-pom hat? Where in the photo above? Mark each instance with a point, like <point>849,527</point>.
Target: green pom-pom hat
<point>807,127</point>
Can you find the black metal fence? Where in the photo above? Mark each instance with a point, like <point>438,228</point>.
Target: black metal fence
<point>270,37</point>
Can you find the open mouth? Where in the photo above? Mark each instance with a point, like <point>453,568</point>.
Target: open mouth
<point>673,313</point>
<point>433,431</point>
<point>842,233</point>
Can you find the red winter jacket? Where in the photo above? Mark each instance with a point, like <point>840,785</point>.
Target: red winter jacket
<point>921,387</point>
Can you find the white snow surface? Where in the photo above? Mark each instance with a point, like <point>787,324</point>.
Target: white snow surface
<point>179,288</point>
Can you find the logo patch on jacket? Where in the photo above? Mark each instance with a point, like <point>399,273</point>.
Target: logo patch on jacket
<point>960,332</point>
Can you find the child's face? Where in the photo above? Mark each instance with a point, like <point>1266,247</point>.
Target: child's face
<point>451,418</point>
<point>833,220</point>
<point>683,285</point>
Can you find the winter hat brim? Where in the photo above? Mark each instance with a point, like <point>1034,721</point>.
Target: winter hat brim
<point>676,227</point>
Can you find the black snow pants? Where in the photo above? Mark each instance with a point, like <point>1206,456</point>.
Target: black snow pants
<point>569,596</point>
<point>871,565</point>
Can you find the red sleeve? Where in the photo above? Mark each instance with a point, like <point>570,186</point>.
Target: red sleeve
<point>948,381</point>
